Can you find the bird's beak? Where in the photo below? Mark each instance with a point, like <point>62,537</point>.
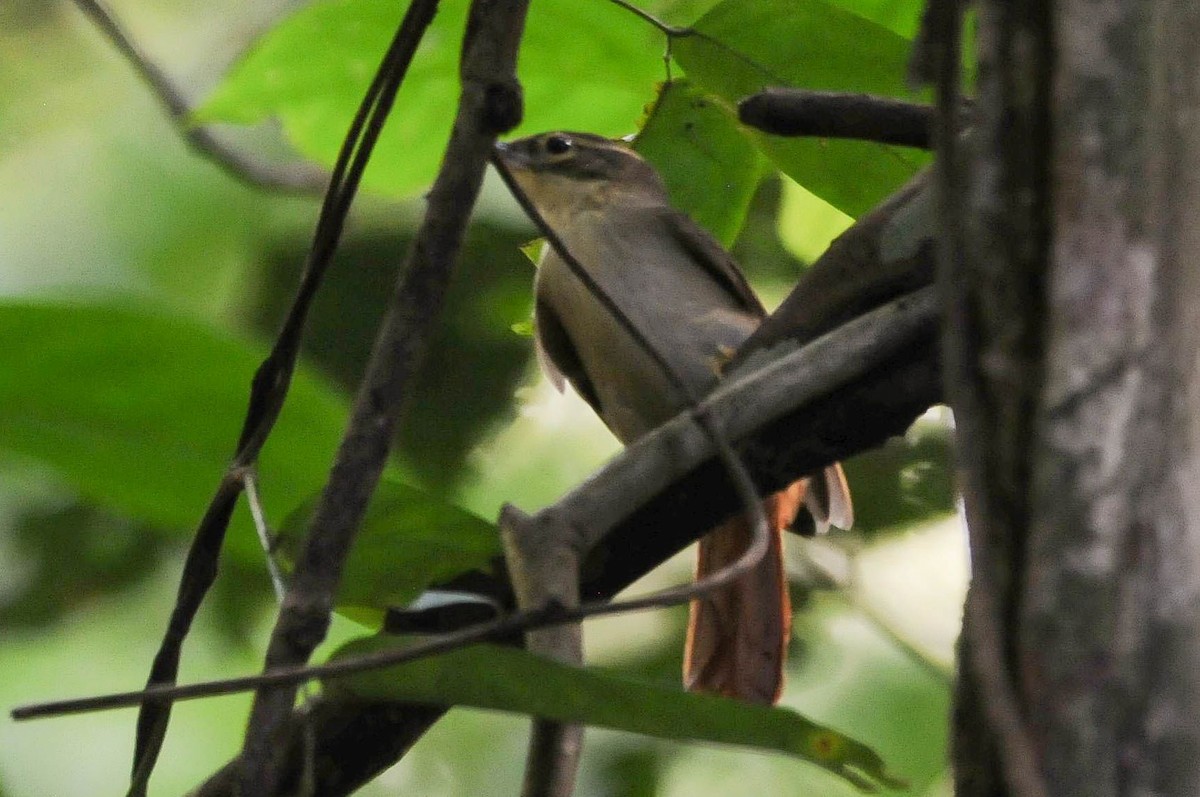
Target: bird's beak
<point>505,156</point>
<point>511,166</point>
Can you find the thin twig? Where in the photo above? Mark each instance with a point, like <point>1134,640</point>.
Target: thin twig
<point>673,32</point>
<point>250,484</point>
<point>266,541</point>
<point>301,178</point>
<point>199,573</point>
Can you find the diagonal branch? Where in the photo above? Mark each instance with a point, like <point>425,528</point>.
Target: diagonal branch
<point>297,177</point>
<point>880,368</point>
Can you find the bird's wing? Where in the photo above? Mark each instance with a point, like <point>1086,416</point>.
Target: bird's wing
<point>706,251</point>
<point>557,354</point>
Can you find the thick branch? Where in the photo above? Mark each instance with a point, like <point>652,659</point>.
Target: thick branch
<point>895,388</point>
<point>543,564</point>
<point>354,742</point>
<point>827,114</point>
<point>682,451</point>
<point>799,413</point>
<point>887,253</point>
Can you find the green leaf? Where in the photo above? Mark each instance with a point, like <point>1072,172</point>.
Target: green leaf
<point>506,679</point>
<point>806,224</point>
<point>408,541</point>
<point>312,70</point>
<point>139,411</point>
<point>743,46</point>
<point>709,165</point>
<point>902,17</point>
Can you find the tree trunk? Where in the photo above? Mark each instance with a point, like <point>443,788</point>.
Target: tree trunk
<point>1075,308</point>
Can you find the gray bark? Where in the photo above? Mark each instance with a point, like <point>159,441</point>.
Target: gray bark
<point>1082,315</point>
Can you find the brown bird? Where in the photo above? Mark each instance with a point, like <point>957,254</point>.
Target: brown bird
<point>687,297</point>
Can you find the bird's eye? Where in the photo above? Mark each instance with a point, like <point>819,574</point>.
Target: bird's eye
<point>558,145</point>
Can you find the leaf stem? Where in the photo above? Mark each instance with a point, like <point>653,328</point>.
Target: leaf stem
<point>670,31</point>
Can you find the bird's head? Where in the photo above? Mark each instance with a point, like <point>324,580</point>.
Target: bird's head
<point>563,174</point>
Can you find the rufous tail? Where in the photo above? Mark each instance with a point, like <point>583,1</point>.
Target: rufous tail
<point>737,637</point>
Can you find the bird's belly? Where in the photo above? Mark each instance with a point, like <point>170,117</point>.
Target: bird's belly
<point>691,332</point>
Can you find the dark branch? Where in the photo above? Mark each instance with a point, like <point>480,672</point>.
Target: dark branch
<point>939,20</point>
<point>200,571</point>
<point>355,741</point>
<point>992,315</point>
<point>890,397</point>
<point>797,112</point>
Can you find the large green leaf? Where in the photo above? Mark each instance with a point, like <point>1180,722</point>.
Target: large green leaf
<point>506,679</point>
<point>139,411</point>
<point>902,17</point>
<point>408,541</point>
<point>312,70</point>
<point>743,46</point>
<point>710,166</point>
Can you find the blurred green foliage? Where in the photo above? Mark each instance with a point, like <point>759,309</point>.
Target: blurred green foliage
<point>475,362</point>
<point>133,407</point>
<point>106,551</point>
<point>139,286</point>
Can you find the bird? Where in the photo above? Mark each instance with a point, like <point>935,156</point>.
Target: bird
<point>690,302</point>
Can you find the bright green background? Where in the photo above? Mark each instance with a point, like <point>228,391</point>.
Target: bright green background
<point>139,285</point>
